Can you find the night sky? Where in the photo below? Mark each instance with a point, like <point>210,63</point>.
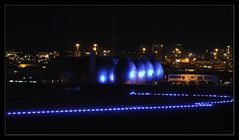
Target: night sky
<point>57,28</point>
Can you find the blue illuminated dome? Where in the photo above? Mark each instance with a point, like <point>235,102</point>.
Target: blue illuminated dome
<point>158,69</point>
<point>149,70</point>
<point>141,71</point>
<point>132,73</point>
<point>126,72</point>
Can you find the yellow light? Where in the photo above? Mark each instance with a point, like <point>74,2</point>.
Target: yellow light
<point>179,51</point>
<point>77,45</point>
<point>187,60</point>
<point>94,48</point>
<point>176,49</point>
<point>43,67</point>
<point>228,46</point>
<point>178,60</point>
<point>22,65</point>
<point>105,51</point>
<point>95,45</point>
<point>156,52</point>
<point>214,53</point>
<point>216,50</point>
<point>144,49</point>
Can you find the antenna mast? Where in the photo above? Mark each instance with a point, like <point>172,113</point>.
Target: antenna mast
<point>113,43</point>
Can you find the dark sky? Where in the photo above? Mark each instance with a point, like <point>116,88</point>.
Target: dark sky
<point>56,28</point>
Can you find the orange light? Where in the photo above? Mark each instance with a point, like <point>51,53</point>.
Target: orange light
<point>185,60</point>
<point>94,48</point>
<point>22,65</point>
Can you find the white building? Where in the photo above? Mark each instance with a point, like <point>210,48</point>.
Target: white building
<point>192,79</point>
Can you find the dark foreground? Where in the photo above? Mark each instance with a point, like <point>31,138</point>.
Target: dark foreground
<point>217,119</point>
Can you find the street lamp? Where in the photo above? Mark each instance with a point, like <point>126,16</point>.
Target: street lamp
<point>143,49</point>
<point>95,47</point>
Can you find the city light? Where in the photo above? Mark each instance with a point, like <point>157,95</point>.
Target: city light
<point>185,60</point>
<point>94,49</point>
<point>146,69</point>
<point>143,50</point>
<point>95,45</point>
<point>77,45</point>
<point>22,65</point>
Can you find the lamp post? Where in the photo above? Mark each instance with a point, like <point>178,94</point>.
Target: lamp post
<point>76,51</point>
<point>95,48</point>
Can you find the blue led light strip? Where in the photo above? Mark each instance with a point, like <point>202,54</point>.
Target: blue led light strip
<point>178,95</point>
<point>115,109</point>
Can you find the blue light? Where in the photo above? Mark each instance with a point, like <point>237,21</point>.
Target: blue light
<point>141,71</point>
<point>141,74</point>
<point>112,77</point>
<point>102,78</point>
<point>132,73</point>
<point>102,75</point>
<point>158,68</point>
<point>183,94</point>
<point>112,109</point>
<point>150,73</point>
<point>112,74</point>
<point>226,99</point>
<point>149,70</point>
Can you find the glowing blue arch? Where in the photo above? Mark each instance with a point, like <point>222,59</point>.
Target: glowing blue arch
<point>141,75</point>
<point>111,75</point>
<point>111,70</point>
<point>158,69</point>
<point>102,75</point>
<point>132,72</point>
<point>149,70</point>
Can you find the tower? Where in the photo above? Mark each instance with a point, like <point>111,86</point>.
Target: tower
<point>113,41</point>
